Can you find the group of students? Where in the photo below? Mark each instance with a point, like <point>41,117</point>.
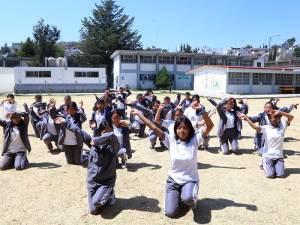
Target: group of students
<point>182,127</point>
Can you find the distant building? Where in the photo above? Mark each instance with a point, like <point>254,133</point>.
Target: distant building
<point>211,80</point>
<point>14,61</point>
<point>53,79</point>
<point>138,69</point>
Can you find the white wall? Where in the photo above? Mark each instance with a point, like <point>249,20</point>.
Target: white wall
<point>148,67</point>
<point>128,66</point>
<point>210,82</point>
<point>59,75</point>
<point>7,81</point>
<point>183,68</point>
<point>129,79</point>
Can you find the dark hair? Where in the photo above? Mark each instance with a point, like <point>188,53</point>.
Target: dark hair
<point>99,101</point>
<point>185,120</point>
<point>139,95</point>
<point>10,96</point>
<point>187,93</point>
<point>196,97</point>
<point>103,125</point>
<point>116,111</point>
<point>167,98</point>
<point>38,97</point>
<point>72,105</point>
<point>68,97</point>
<point>270,104</point>
<point>175,111</point>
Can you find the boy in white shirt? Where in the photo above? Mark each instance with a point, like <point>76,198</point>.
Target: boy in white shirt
<point>9,104</point>
<point>273,133</point>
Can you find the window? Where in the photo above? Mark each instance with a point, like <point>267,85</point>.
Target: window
<point>129,58</point>
<point>283,79</point>
<point>183,60</point>
<point>166,59</point>
<point>216,61</point>
<point>31,74</point>
<point>231,62</point>
<point>245,62</point>
<point>144,77</point>
<point>200,61</point>
<point>86,74</point>
<point>262,78</point>
<point>148,59</point>
<point>238,78</point>
<point>297,79</point>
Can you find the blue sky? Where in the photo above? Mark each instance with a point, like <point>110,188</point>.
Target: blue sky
<point>165,23</point>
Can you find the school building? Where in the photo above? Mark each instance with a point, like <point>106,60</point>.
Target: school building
<point>138,69</point>
<point>52,80</point>
<point>210,80</point>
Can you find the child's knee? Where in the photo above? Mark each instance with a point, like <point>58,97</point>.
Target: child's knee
<point>171,212</point>
<point>188,200</point>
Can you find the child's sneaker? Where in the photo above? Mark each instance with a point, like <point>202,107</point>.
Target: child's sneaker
<point>113,199</point>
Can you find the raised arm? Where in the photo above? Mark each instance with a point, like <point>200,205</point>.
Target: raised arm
<point>289,116</point>
<point>246,118</point>
<point>209,124</point>
<point>158,113</point>
<point>148,123</point>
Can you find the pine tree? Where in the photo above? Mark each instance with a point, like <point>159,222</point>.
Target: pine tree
<point>163,80</point>
<point>27,49</point>
<point>107,30</point>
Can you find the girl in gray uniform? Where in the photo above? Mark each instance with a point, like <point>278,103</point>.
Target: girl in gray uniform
<point>183,143</point>
<point>16,142</point>
<point>272,152</point>
<point>101,173</point>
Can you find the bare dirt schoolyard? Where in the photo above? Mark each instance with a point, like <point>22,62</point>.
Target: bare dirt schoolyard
<point>233,189</point>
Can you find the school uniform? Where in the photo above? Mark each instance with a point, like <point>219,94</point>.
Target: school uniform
<point>229,128</point>
<point>101,174</point>
<point>36,116</point>
<point>272,151</point>
<point>8,107</point>
<point>262,119</point>
<point>71,138</point>
<point>183,181</point>
<point>120,104</point>
<point>137,124</point>
<point>100,116</point>
<point>122,133</point>
<point>15,144</point>
<point>49,130</point>
<point>185,103</point>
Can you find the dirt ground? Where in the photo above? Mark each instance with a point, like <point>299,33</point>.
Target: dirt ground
<point>233,189</point>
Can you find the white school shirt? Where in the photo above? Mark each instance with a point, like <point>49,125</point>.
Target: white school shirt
<point>169,124</point>
<point>120,105</point>
<point>183,156</point>
<point>118,133</point>
<point>8,108</point>
<point>70,138</point>
<point>99,117</point>
<point>16,144</point>
<point>273,137</point>
<point>230,120</point>
<point>190,113</point>
<point>51,127</point>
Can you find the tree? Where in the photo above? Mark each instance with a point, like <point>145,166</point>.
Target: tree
<point>186,48</point>
<point>290,42</point>
<point>45,37</point>
<point>297,52</point>
<point>5,49</point>
<point>248,46</point>
<point>162,79</point>
<point>27,49</point>
<point>107,30</point>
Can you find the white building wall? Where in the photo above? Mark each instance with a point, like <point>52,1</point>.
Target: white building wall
<point>129,79</point>
<point>128,66</point>
<point>116,71</point>
<point>7,81</point>
<point>148,67</point>
<point>59,75</point>
<point>183,68</point>
<point>210,82</point>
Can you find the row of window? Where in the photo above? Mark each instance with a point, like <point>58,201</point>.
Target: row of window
<point>237,78</point>
<point>34,74</point>
<point>186,60</point>
<point>152,77</point>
